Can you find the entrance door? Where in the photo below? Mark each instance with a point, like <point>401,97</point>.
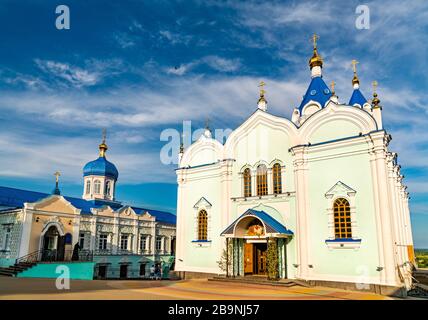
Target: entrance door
<point>248,258</point>
<point>102,272</point>
<point>60,255</point>
<point>123,271</point>
<point>261,249</point>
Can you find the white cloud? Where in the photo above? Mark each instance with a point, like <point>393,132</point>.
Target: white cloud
<point>215,62</point>
<point>222,64</point>
<point>124,40</point>
<point>175,38</point>
<point>74,75</point>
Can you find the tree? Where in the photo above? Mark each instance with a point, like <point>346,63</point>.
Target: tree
<point>272,259</point>
<point>225,260</point>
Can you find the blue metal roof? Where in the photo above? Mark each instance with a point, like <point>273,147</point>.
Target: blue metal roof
<point>317,91</point>
<point>101,167</point>
<point>272,225</point>
<point>357,98</point>
<point>11,198</point>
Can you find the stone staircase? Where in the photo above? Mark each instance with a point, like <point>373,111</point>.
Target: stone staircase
<point>12,271</point>
<point>261,280</point>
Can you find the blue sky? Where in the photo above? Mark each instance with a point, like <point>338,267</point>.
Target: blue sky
<point>139,67</point>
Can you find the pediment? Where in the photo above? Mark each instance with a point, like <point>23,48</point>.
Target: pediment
<point>127,211</point>
<point>147,216</point>
<point>202,203</point>
<point>340,189</point>
<point>104,211</point>
<point>54,203</point>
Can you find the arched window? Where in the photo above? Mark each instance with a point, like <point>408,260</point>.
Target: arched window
<point>97,186</point>
<point>342,219</point>
<point>247,182</point>
<point>202,225</point>
<point>277,182</point>
<point>262,188</point>
<point>88,186</point>
<point>108,188</point>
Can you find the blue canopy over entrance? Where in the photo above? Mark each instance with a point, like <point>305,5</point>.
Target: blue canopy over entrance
<point>245,226</point>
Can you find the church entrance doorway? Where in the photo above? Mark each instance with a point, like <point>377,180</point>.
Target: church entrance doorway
<point>255,260</point>
<point>53,247</point>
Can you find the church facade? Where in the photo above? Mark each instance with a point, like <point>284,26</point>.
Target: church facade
<point>122,241</point>
<point>318,198</point>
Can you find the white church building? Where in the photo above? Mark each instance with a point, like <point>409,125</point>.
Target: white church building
<point>322,190</point>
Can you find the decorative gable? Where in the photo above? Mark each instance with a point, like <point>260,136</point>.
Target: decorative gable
<point>104,211</point>
<point>340,189</point>
<point>127,211</point>
<point>53,203</point>
<point>147,216</point>
<point>202,203</point>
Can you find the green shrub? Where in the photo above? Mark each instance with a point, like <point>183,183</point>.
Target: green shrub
<point>272,260</point>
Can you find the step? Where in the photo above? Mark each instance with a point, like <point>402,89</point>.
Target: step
<point>263,281</point>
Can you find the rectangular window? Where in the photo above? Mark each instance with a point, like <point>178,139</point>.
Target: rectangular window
<point>82,240</point>
<point>158,243</point>
<point>143,242</point>
<point>7,235</point>
<point>102,244</point>
<point>124,241</point>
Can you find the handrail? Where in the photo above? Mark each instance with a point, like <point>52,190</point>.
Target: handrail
<point>29,258</point>
<point>56,255</point>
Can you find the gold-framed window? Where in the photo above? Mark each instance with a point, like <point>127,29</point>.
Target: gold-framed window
<point>342,219</point>
<point>262,187</point>
<point>277,179</point>
<point>247,182</point>
<point>202,225</point>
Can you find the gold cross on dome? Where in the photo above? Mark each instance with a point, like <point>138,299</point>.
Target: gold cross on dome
<point>57,174</point>
<point>104,135</point>
<point>375,84</point>
<point>354,65</point>
<point>261,86</point>
<point>314,38</point>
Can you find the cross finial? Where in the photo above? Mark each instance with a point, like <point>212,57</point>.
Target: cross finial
<point>354,65</point>
<point>332,87</point>
<point>375,84</point>
<point>57,174</point>
<point>262,90</point>
<point>314,38</point>
<point>207,123</point>
<point>104,135</point>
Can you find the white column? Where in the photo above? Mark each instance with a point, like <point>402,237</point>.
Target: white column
<point>182,215</point>
<point>27,221</point>
<point>395,214</point>
<point>153,242</point>
<point>135,236</point>
<point>92,243</point>
<point>302,227</point>
<point>380,142</point>
<point>116,236</point>
<point>270,180</point>
<point>254,182</point>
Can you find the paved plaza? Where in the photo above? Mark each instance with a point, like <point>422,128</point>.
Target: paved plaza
<point>45,289</point>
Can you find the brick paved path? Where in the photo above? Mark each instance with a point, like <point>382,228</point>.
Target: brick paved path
<point>19,288</point>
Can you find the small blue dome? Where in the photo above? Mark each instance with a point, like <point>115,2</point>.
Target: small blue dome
<point>317,91</point>
<point>101,167</point>
<point>357,98</point>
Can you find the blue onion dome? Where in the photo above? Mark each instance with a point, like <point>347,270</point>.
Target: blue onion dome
<point>101,166</point>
